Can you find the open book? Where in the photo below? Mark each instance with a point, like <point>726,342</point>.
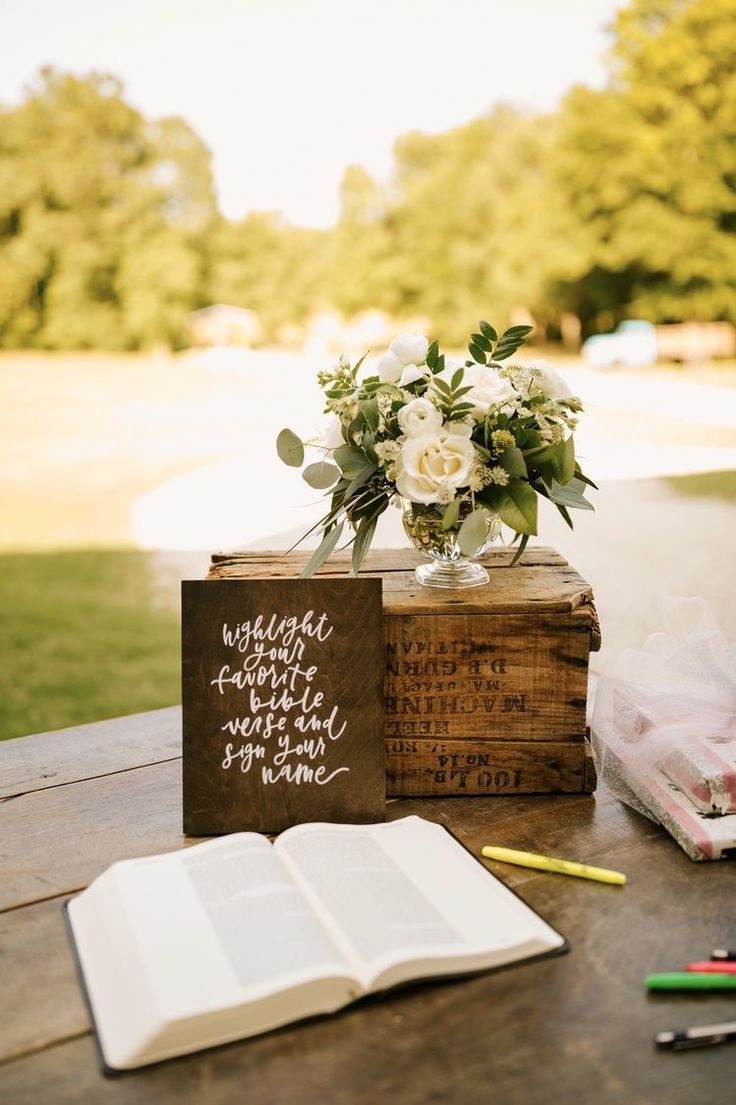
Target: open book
<point>236,936</point>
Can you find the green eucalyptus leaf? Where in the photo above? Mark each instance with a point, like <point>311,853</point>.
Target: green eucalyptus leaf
<point>473,532</point>
<point>487,330</point>
<point>321,475</point>
<point>290,448</point>
<point>353,462</point>
<point>476,353</point>
<point>517,331</point>
<point>451,515</point>
<point>321,553</point>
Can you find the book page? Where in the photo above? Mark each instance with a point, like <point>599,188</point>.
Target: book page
<point>198,947</point>
<point>220,919</point>
<point>407,891</point>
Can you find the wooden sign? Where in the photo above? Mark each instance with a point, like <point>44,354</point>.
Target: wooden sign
<point>282,690</point>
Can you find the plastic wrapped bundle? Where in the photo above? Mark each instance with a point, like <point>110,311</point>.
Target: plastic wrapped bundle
<point>664,730</point>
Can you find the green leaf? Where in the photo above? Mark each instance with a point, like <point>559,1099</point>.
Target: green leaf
<point>432,353</point>
<point>517,331</point>
<point>565,514</point>
<point>476,353</point>
<point>457,379</point>
<point>487,330</point>
<point>369,449</point>
<point>579,474</point>
<point>473,532</point>
<point>571,494</point>
<point>362,543</point>
<point>451,515</point>
<point>321,475</point>
<point>567,461</point>
<point>519,507</point>
<point>321,553</point>
<point>369,410</point>
<point>290,448</point>
<point>513,461</point>
<point>502,353</point>
<point>353,462</point>
<point>482,342</point>
<point>520,550</point>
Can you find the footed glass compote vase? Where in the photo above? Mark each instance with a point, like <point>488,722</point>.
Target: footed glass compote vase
<point>448,567</point>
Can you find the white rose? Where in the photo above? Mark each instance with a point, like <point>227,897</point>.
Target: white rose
<point>332,434</point>
<point>409,348</point>
<point>420,417</point>
<point>461,428</point>
<point>547,381</point>
<point>488,388</point>
<point>428,464</point>
<point>452,364</point>
<point>389,369</point>
<point>411,373</point>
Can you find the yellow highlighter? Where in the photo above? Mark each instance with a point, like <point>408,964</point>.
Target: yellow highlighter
<point>559,866</point>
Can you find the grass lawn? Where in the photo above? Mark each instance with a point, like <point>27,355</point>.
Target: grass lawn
<point>90,626</point>
<point>86,640</point>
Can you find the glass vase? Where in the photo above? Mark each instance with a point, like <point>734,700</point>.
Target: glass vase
<point>448,567</point>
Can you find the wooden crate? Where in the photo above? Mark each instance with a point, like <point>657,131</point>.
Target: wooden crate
<point>485,688</point>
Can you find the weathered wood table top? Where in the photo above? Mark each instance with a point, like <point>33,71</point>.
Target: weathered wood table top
<point>577,1028</point>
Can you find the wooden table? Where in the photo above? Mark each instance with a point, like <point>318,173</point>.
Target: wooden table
<point>572,1029</point>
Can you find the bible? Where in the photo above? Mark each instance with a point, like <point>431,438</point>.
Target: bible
<point>236,936</point>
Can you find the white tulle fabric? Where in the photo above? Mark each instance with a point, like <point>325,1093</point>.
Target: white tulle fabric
<point>671,708</point>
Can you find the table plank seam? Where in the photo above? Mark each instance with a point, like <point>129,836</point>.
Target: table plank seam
<point>69,892</point>
<point>87,779</point>
<point>47,1045</point>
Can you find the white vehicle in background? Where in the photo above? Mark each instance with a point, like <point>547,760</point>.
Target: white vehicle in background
<point>638,344</point>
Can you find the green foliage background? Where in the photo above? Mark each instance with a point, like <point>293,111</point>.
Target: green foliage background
<point>622,203</point>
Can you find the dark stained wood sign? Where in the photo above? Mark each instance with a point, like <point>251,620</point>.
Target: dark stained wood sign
<point>282,690</point>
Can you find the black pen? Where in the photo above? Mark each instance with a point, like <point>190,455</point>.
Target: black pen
<point>723,953</point>
<point>702,1035</point>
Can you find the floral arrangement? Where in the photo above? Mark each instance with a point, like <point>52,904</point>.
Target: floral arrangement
<point>463,441</point>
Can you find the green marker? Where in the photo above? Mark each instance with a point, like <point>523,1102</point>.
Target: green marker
<point>688,980</point>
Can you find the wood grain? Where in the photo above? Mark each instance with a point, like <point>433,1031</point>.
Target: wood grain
<point>575,1028</point>
<point>426,767</point>
<point>42,1002</point>
<point>55,841</point>
<point>87,751</point>
<point>542,582</point>
<point>264,773</point>
<point>481,675</point>
<point>504,662</point>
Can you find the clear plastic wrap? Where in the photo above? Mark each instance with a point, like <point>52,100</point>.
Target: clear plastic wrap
<point>664,729</point>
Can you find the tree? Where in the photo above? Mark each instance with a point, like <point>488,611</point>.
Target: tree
<point>268,266</point>
<point>87,187</point>
<point>649,168</point>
